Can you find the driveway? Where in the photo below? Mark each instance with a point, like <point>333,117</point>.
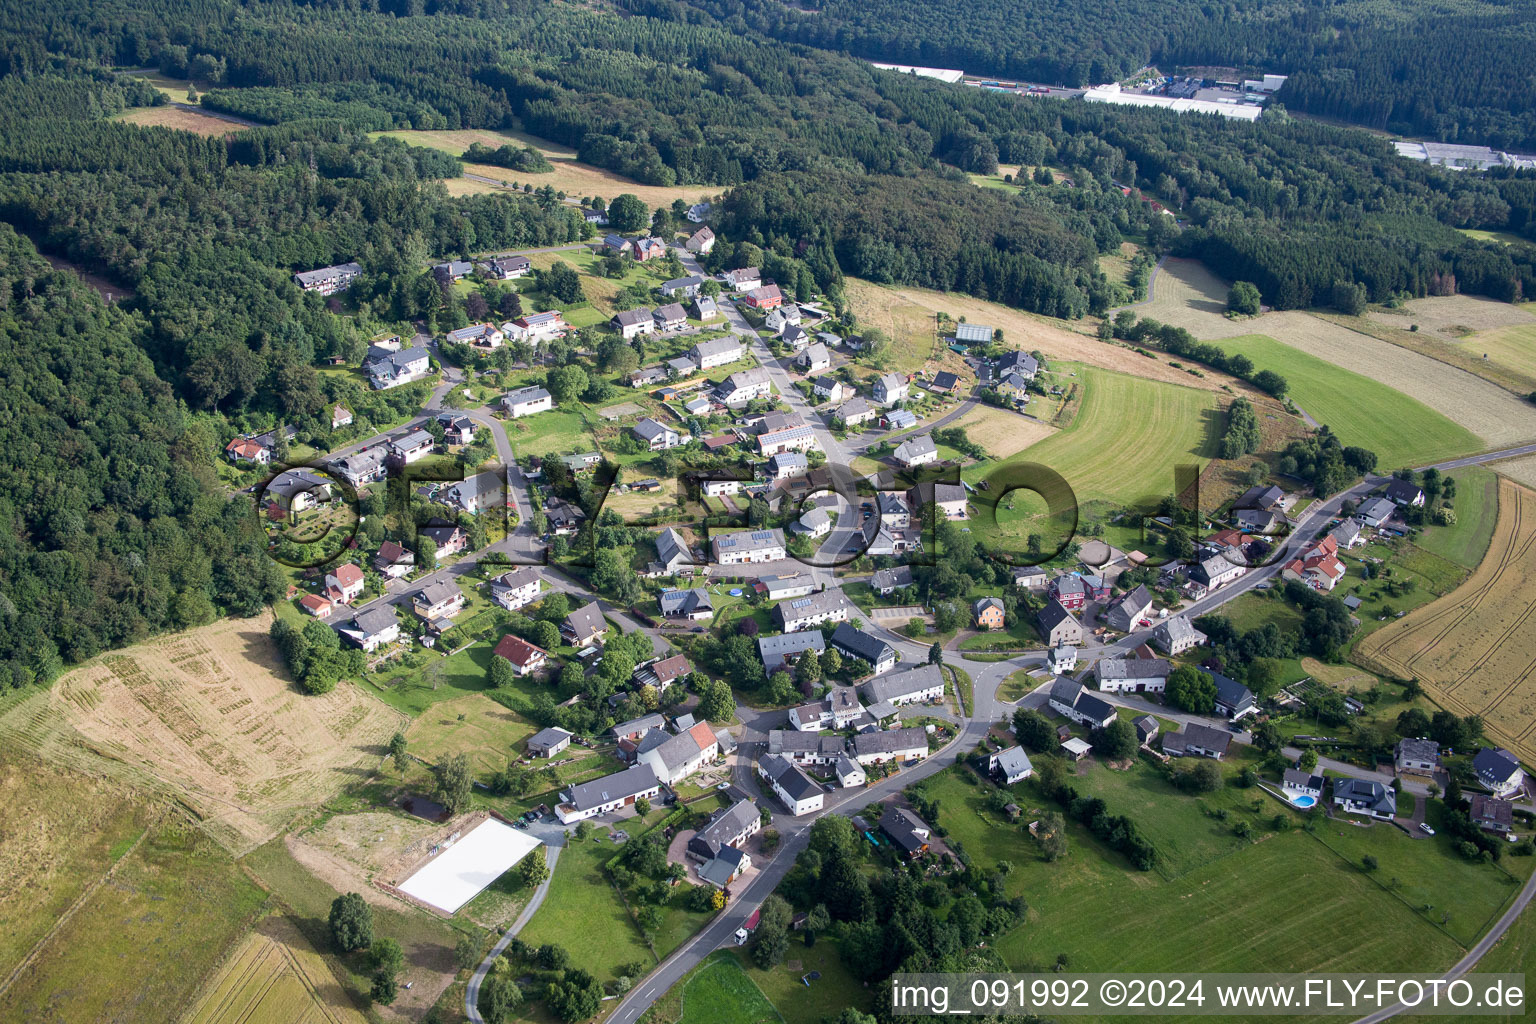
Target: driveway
<point>472,991</point>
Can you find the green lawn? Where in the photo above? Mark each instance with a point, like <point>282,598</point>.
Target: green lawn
<point>799,1003</point>
<point>720,992</point>
<point>1400,430</point>
<point>1477,509</point>
<point>583,913</point>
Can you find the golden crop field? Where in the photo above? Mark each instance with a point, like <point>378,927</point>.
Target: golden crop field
<point>206,714</point>
<point>1001,432</point>
<point>177,117</point>
<point>275,975</point>
<point>1474,650</point>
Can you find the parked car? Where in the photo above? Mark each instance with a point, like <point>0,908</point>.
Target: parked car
<point>1424,827</point>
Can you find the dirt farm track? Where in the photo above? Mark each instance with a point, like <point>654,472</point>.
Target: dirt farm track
<point>1474,650</point>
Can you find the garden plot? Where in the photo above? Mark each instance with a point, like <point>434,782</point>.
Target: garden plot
<point>205,713</point>
<point>454,876</point>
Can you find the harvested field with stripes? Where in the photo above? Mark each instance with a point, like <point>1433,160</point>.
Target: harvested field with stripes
<point>1474,650</point>
<point>275,975</point>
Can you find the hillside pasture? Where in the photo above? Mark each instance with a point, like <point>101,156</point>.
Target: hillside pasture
<point>1477,511</point>
<point>1512,346</point>
<point>475,725</point>
<point>180,118</point>
<point>274,975</point>
<point>1185,294</point>
<point>1475,649</point>
<point>1360,410</point>
<point>570,175</point>
<point>206,713</point>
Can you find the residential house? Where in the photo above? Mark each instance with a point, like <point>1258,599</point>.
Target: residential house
<point>564,517</point>
<point>917,685</point>
<point>362,467</point>
<point>683,754</point>
<point>1058,626</point>
<point>836,711</point>
<point>633,322</point>
<point>781,652</point>
<point>671,317</point>
<point>372,628</point>
<point>687,287</point>
<point>1146,728</point>
<point>341,416</point>
<point>727,829</point>
<point>598,218</point>
<point>1130,612</point>
<point>1365,797</point>
<point>1374,512</point>
<point>329,280</point>
<point>814,523</point>
<point>1061,659</point>
<point>1317,566</point>
<point>457,428</point>
<point>506,268</point>
<point>657,435</point>
<point>478,492</point>
<point>855,643</point>
<point>482,335</point>
<point>1416,756</point>
<point>944,382</point>
<point>808,747</point>
<point>535,328</point>
<point>1402,492</point>
<point>765,297</point>
<point>916,451</point>
<point>698,213</point>
<point>1347,534</point>
<point>906,831</point>
<point>672,553</point>
<point>1196,740</point>
<point>784,587</point>
<point>1294,783</point>
<point>720,488</point>
<point>796,436</point>
<point>1030,577</point>
<point>647,249</point>
<point>890,388</point>
<point>1069,591</point>
<point>949,500</point>
<point>615,244</point>
<point>894,511</point>
<point>1233,699</point>
<point>850,775</point>
<point>584,626</point>
<point>527,402</point>
<point>526,659</point>
<point>413,447</point>
<point>705,307</point>
<point>787,465</point>
<point>855,412</point>
<point>248,449</point>
<point>701,241</point>
<point>791,785</point>
<point>1214,571</point>
<point>1175,636</point>
<point>1010,765</point>
<point>1133,675</point>
<point>636,728</point>
<point>743,386</point>
<point>1259,521</point>
<point>1016,364</point>
<point>316,605</point>
<point>988,612</point>
<point>1068,698</point>
<point>517,589</point>
<point>686,605</point>
<point>648,375</point>
<point>452,270</point>
<point>1265,497</point>
<point>886,582</point>
<point>781,318</point>
<point>662,672</point>
<point>607,794</point>
<point>973,334</point>
<point>881,745</point>
<point>344,583</point>
<point>748,546</point>
<point>298,490</point>
<point>392,369</point>
<point>1499,771</point>
<point>1491,814</point>
<point>439,600</point>
<point>742,278</point>
<point>548,742</point>
<point>393,560</point>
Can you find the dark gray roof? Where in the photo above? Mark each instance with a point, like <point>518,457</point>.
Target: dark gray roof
<point>1418,749</point>
<point>773,649</point>
<point>547,738</point>
<point>644,723</point>
<point>375,620</point>
<point>861,644</point>
<point>905,828</point>
<point>685,601</point>
<point>899,576</point>
<point>1495,765</point>
<point>636,779</point>
<point>888,741</point>
<point>1298,779</point>
<point>901,684</point>
<point>1372,794</point>
<point>1054,614</point>
<point>586,620</point>
<point>787,776</point>
<point>1195,734</point>
<point>1134,668</point>
<point>1231,692</point>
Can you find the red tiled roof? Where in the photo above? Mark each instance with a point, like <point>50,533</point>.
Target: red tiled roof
<point>518,651</point>
<point>347,574</point>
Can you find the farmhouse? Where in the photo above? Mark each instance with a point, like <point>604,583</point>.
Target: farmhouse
<point>609,793</point>
<point>1491,814</point>
<point>1196,740</point>
<point>1366,797</point>
<point>513,590</point>
<point>1010,765</point>
<point>728,828</point>
<point>329,280</point>
<point>657,435</point>
<point>886,582</point>
<point>813,610</point>
<point>1130,611</point>
<point>748,546</point>
<point>548,742</point>
<point>809,746</point>
<point>879,746</point>
<point>439,600</point>
<point>526,402</point>
<point>1058,626</point>
<point>1138,675</point>
<point>916,451</point>
<point>1068,698</point>
<point>584,626</point>
<point>855,643</point>
<point>913,686</point>
<point>631,323</point>
<point>686,605</point>
<point>782,651</point>
<point>1175,636</point>
<point>1416,756</point>
<point>890,388</point>
<point>1498,770</point>
<point>709,354</point>
<point>372,628</point>
<point>680,756</point>
<point>791,785</point>
<point>526,659</point>
<point>907,831</point>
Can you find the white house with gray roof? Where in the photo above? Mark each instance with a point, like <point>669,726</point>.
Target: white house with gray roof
<point>811,610</point>
<point>779,652</point>
<point>1133,675</point>
<point>890,745</point>
<point>916,451</point>
<point>890,388</point>
<point>716,352</point>
<point>855,643</point>
<point>1011,765</point>
<point>913,686</point>
<point>748,546</point>
<point>1176,635</point>
<point>607,794</point>
<point>526,402</point>
<point>791,785</point>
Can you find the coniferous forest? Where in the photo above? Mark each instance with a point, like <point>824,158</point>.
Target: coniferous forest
<point>118,525</point>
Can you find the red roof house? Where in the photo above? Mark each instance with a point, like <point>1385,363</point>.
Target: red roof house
<point>524,656</point>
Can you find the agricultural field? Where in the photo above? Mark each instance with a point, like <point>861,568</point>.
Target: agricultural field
<point>569,176</point>
<point>205,714</point>
<point>177,893</point>
<point>906,314</point>
<point>180,118</point>
<point>275,975</point>
<point>1512,346</point>
<point>1454,317</point>
<point>1400,430</point>
<point>1000,431</point>
<point>1475,649</point>
<point>1185,294</point>
<point>1477,510</point>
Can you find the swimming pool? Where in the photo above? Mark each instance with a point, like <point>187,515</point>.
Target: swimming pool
<point>1304,800</point>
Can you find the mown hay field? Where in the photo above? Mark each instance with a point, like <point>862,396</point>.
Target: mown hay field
<point>206,713</point>
<point>1362,411</point>
<point>908,313</point>
<point>570,176</point>
<point>274,975</point>
<point>177,117</point>
<point>1512,346</point>
<point>1475,649</point>
<point>475,725</point>
<point>1185,294</point>
<point>1000,431</point>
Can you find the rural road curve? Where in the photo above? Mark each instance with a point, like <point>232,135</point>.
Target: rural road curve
<point>472,993</point>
